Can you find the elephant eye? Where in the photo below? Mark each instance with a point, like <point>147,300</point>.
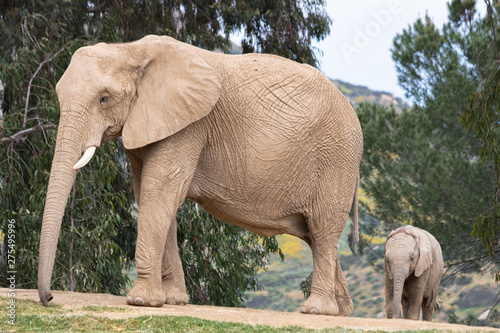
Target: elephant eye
<point>412,258</point>
<point>104,99</point>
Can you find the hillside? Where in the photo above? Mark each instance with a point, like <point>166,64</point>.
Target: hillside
<point>356,94</point>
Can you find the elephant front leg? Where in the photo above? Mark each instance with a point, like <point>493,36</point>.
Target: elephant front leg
<point>168,167</point>
<point>414,299</point>
<point>172,273</point>
<point>153,226</point>
<point>389,295</point>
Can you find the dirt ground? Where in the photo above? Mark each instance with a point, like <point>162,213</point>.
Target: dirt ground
<point>248,316</point>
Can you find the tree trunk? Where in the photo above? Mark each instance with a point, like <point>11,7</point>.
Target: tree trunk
<point>62,176</point>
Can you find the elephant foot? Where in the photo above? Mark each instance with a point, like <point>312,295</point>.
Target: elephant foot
<point>143,294</point>
<point>345,305</point>
<point>316,304</point>
<point>175,296</point>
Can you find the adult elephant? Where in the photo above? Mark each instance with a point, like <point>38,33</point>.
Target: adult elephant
<point>414,268</point>
<point>257,140</point>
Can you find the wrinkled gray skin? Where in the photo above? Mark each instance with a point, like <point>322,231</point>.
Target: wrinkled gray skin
<point>414,267</point>
<point>257,140</point>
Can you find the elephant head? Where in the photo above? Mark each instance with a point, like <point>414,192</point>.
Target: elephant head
<point>407,251</point>
<point>143,91</point>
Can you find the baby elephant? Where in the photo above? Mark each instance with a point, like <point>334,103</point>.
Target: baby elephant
<point>414,267</point>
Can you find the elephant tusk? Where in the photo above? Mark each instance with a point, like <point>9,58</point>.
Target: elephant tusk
<point>85,158</point>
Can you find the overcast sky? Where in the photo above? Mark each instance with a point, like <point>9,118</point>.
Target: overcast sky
<point>358,48</point>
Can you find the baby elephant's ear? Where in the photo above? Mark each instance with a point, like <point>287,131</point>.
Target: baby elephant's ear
<point>424,245</point>
<point>175,87</point>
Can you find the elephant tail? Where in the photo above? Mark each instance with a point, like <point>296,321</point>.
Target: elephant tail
<point>355,211</point>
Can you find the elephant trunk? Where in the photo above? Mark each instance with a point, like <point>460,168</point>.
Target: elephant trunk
<point>62,177</point>
<point>399,277</point>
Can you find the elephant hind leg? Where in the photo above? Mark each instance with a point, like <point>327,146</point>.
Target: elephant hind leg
<point>428,307</point>
<point>344,301</point>
<point>172,274</point>
<point>329,291</point>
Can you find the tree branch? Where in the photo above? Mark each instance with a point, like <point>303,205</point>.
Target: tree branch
<point>97,8</point>
<point>33,77</point>
<point>21,136</point>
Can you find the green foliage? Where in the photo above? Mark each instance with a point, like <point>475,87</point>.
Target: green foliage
<point>284,28</point>
<point>99,229</point>
<point>461,11</point>
<point>418,55</point>
<point>420,166</point>
<point>220,260</point>
<point>305,286</point>
<point>481,117</point>
<point>97,234</point>
<point>97,220</point>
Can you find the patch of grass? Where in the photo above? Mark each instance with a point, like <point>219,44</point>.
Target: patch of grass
<point>32,307</point>
<point>93,308</point>
<point>89,323</point>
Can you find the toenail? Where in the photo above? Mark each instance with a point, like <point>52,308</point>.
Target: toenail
<point>138,300</point>
<point>313,311</point>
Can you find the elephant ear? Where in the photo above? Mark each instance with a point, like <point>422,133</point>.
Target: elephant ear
<point>398,230</point>
<point>424,247</point>
<point>393,233</point>
<point>175,87</point>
